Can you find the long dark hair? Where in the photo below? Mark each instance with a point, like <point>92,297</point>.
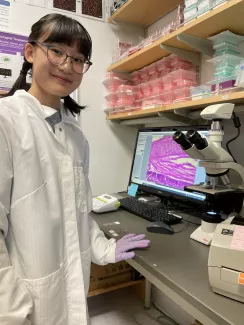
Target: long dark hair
<point>63,30</point>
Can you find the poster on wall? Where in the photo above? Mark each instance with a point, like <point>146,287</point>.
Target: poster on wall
<point>11,58</point>
<point>5,7</point>
<point>36,3</point>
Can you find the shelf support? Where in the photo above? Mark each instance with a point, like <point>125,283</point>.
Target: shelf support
<point>204,46</point>
<point>193,57</point>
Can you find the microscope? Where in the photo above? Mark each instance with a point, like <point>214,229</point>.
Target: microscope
<point>224,189</point>
<point>224,185</point>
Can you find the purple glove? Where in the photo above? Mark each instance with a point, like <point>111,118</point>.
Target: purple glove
<point>127,243</point>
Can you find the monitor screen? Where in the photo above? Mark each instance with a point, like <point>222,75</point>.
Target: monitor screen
<point>161,166</point>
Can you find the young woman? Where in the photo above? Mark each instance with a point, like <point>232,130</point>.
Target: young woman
<point>47,239</point>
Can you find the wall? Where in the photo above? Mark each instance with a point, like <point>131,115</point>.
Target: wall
<point>111,145</point>
<point>161,300</point>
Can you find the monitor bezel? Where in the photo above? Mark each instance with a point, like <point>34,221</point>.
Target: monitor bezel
<point>158,192</point>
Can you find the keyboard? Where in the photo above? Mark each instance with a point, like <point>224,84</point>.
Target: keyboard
<point>148,212</point>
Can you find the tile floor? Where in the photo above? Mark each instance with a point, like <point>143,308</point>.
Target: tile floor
<point>121,308</point>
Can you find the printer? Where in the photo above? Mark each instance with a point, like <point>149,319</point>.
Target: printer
<point>226,259</point>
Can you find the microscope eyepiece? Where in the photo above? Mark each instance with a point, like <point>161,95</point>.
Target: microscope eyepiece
<point>195,138</point>
<point>180,138</point>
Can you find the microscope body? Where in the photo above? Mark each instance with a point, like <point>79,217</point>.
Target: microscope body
<point>225,178</point>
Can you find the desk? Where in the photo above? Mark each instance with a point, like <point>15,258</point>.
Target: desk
<point>177,266</point>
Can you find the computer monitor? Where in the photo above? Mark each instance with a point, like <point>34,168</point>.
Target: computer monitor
<point>162,168</point>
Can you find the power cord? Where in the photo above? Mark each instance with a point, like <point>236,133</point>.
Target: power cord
<point>237,124</point>
<point>165,316</point>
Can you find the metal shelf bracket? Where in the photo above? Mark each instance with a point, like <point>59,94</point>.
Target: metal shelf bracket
<point>202,45</point>
<point>193,57</point>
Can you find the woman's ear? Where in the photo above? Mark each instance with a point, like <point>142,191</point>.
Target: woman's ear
<point>29,52</point>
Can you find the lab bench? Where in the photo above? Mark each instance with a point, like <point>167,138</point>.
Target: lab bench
<point>178,266</point>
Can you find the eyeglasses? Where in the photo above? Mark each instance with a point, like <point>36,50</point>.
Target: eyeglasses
<point>58,56</point>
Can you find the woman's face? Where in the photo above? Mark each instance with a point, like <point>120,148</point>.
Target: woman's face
<point>55,80</point>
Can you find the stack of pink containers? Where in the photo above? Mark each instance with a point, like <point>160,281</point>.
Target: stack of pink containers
<point>161,83</point>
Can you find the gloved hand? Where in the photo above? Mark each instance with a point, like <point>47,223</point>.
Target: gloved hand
<point>127,243</point>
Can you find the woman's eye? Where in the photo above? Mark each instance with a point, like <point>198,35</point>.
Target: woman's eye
<point>79,60</point>
<point>56,51</point>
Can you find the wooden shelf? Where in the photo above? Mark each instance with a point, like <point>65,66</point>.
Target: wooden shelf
<point>237,98</point>
<point>228,16</point>
<point>114,288</point>
<point>143,12</point>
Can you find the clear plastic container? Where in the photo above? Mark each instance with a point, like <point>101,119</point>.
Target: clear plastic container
<point>200,90</point>
<point>225,46</point>
<point>189,3</point>
<point>218,2</point>
<point>227,36</point>
<point>183,75</point>
<point>203,6</point>
<point>190,13</point>
<point>226,60</point>
<point>182,93</point>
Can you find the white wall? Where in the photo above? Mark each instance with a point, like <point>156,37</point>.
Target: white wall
<point>111,145</point>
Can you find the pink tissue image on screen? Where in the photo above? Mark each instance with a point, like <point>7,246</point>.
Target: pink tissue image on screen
<point>169,165</point>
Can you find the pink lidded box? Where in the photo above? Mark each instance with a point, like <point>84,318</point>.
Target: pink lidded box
<point>182,93</point>
<point>152,69</point>
<point>151,103</point>
<point>168,82</point>
<point>111,100</point>
<point>126,101</point>
<point>145,87</point>
<point>165,72</point>
<point>128,89</point>
<point>184,75</point>
<point>158,91</point>
<point>144,72</point>
<point>168,97</point>
<point>184,83</point>
<point>162,64</point>
<point>136,77</point>
<point>176,62</point>
<point>156,83</point>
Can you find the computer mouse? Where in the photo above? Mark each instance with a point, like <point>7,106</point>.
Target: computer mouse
<point>160,227</point>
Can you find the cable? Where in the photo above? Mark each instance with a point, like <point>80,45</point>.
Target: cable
<point>237,125</point>
<point>164,315</point>
<point>184,228</point>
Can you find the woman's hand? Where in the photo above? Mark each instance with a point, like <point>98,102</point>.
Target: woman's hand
<point>127,243</point>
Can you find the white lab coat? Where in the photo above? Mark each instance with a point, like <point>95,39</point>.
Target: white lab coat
<point>48,239</point>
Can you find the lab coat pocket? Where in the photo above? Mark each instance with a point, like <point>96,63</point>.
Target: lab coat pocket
<point>48,299</point>
<point>86,268</point>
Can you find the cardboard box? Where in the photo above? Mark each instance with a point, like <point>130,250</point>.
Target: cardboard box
<point>98,271</point>
<point>99,283</point>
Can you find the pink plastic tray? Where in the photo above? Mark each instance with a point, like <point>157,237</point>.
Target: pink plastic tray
<point>182,93</point>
